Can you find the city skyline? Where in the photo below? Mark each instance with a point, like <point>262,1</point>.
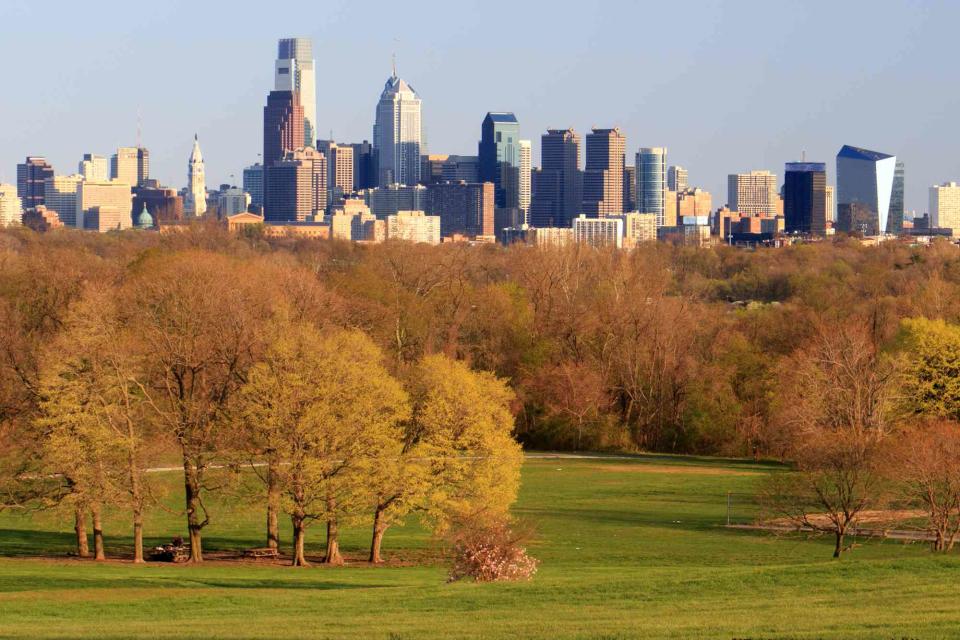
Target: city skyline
<point>771,120</point>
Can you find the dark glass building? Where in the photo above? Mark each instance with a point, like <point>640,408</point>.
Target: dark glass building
<point>895,217</point>
<point>558,183</point>
<point>499,157</point>
<point>364,166</point>
<point>805,198</point>
<point>31,179</point>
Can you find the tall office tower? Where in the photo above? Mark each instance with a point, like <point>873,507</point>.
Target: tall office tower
<point>864,187</point>
<point>945,207</point>
<point>130,165</point>
<point>460,169</point>
<point>364,166</point>
<point>499,155</point>
<point>677,179</point>
<point>603,173</point>
<point>296,187</point>
<point>463,208</point>
<point>60,195</point>
<point>11,206</point>
<point>831,204</point>
<point>104,206</point>
<point>805,198</point>
<point>31,177</point>
<point>195,202</point>
<point>558,184</point>
<point>339,168</point>
<point>753,194</point>
<point>294,71</point>
<point>93,167</point>
<point>651,165</point>
<point>253,183</point>
<point>629,187</point>
<point>895,217</point>
<point>281,130</point>
<point>526,166</point>
<point>694,202</point>
<point>397,137</point>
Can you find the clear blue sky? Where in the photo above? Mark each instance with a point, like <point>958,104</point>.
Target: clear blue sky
<point>726,86</point>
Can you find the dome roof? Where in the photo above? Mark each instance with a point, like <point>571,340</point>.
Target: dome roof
<point>144,220</point>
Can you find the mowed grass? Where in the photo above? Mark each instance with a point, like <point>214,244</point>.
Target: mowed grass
<point>629,549</point>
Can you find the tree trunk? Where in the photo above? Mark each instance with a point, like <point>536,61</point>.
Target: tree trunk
<point>191,484</point>
<point>137,534</point>
<point>333,556</point>
<point>273,506</point>
<point>838,549</point>
<point>80,526</point>
<point>379,528</point>
<point>299,534</point>
<point>98,553</point>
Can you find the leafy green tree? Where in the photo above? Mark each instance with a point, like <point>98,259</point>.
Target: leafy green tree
<point>932,371</point>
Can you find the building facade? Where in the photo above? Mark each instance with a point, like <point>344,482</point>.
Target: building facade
<point>805,198</point>
<point>32,175</point>
<point>558,184</point>
<point>463,208</point>
<point>282,132</point>
<point>60,196</point>
<point>603,173</point>
<point>498,153</point>
<point>164,203</point>
<point>413,226</point>
<point>397,135</point>
<point>526,167</point>
<point>753,194</point>
<point>93,167</point>
<point>651,168</point>
<point>253,184</point>
<point>11,207</point>
<point>130,165</point>
<point>895,217</point>
<point>677,179</point>
<point>104,206</point>
<point>195,200</point>
<point>694,202</point>
<point>294,71</point>
<point>945,207</point>
<point>296,187</point>
<point>864,188</point>
<point>598,232</point>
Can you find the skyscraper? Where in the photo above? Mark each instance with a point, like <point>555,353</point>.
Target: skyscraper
<point>462,208</point>
<point>60,195</point>
<point>195,202</point>
<point>499,156</point>
<point>396,134</point>
<point>31,178</point>
<point>294,72</point>
<point>130,165</point>
<point>945,207</point>
<point>339,168</point>
<point>895,217</point>
<point>104,206</point>
<point>93,167</point>
<point>296,186</point>
<point>831,203</point>
<point>629,187</point>
<point>558,185</point>
<point>603,174</point>
<point>677,179</point>
<point>652,182</point>
<point>281,130</point>
<point>364,166</point>
<point>753,194</point>
<point>253,183</point>
<point>864,187</point>
<point>11,207</point>
<point>526,166</point>
<point>805,198</point>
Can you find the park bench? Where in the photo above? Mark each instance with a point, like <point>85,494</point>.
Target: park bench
<point>170,553</point>
<point>261,553</point>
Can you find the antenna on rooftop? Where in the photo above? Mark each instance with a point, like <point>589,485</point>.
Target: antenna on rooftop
<point>803,156</point>
<point>393,59</point>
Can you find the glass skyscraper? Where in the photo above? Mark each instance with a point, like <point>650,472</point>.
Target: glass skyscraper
<point>499,156</point>
<point>895,218</point>
<point>805,198</point>
<point>652,181</point>
<point>294,71</point>
<point>864,188</point>
<point>396,134</point>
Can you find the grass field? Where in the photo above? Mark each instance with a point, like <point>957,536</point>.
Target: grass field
<point>629,549</point>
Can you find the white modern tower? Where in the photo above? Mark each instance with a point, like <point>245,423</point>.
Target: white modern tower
<point>525,169</point>
<point>195,202</point>
<point>396,134</point>
<point>294,71</point>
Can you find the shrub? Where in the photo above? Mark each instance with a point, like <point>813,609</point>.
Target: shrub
<point>489,552</point>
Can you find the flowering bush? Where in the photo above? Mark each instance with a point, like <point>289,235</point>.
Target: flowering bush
<point>489,553</point>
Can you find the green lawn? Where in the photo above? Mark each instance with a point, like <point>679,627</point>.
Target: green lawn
<point>629,549</point>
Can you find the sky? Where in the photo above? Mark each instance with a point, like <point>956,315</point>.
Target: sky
<point>727,86</point>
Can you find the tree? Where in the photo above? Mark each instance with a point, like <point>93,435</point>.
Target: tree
<point>330,414</point>
<point>932,372</point>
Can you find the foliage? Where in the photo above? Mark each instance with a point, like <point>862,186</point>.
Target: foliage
<point>488,552</point>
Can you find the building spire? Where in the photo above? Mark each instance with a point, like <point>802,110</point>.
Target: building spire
<point>393,58</point>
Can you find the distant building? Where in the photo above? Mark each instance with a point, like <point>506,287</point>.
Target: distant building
<point>11,207</point>
<point>339,169</point>
<point>677,179</point>
<point>164,203</point>
<point>354,221</point>
<point>526,167</point>
<point>231,202</point>
<point>805,198</point>
<point>130,165</point>
<point>629,188</point>
<point>40,219</point>
<point>945,207</point>
<point>396,134</point>
<point>460,169</point>
<point>463,208</point>
<point>753,194</point>
<point>598,232</point>
<point>104,206</point>
<point>558,185</point>
<point>294,71</point>
<point>498,153</point>
<point>553,236</point>
<point>282,126</point>
<point>864,188</point>
<point>431,168</point>
<point>195,201</point>
<point>694,202</point>
<point>690,231</point>
<point>638,228</point>
<point>60,197</point>
<point>94,168</point>
<point>144,220</point>
<point>831,204</point>
<point>253,184</point>
<point>651,163</point>
<point>413,226</point>
<point>670,202</point>
<point>603,175</point>
<point>31,178</point>
<point>895,217</point>
<point>364,166</point>
<point>296,187</point>
<point>387,201</point>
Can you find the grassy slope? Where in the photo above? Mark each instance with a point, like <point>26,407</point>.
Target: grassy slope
<point>629,549</point>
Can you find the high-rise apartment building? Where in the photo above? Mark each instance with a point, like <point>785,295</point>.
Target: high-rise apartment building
<point>895,217</point>
<point>31,178</point>
<point>694,202</point>
<point>195,200</point>
<point>104,206</point>
<point>753,194</point>
<point>603,173</point>
<point>651,163</point>
<point>864,187</point>
<point>598,232</point>
<point>463,208</point>
<point>11,206</point>
<point>93,167</point>
<point>526,167</point>
<point>60,196</point>
<point>805,198</point>
<point>831,204</point>
<point>130,165</point>
<point>294,71</point>
<point>499,157</point>
<point>387,201</point>
<point>296,187</point>
<point>413,226</point>
<point>677,179</point>
<point>339,168</point>
<point>945,207</point>
<point>638,228</point>
<point>396,134</point>
<point>558,185</point>
<point>253,183</point>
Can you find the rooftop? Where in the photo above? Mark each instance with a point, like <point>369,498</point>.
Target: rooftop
<point>857,153</point>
